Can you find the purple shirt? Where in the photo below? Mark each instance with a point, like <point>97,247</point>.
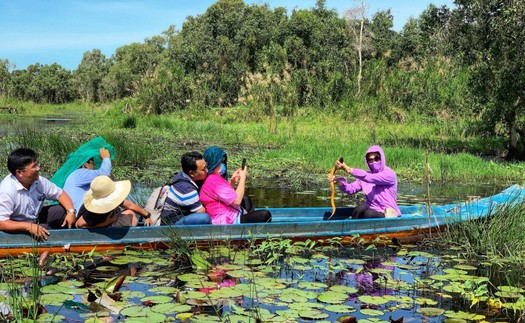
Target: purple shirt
<point>379,187</point>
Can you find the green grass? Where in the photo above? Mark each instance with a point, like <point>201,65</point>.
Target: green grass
<point>298,150</point>
<point>502,234</point>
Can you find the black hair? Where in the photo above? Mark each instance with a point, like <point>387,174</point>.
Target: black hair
<point>19,158</point>
<point>188,161</point>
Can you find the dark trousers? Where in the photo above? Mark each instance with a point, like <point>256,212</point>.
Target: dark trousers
<point>252,215</point>
<point>52,216</point>
<point>363,212</point>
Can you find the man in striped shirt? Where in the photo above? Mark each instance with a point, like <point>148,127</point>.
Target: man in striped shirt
<point>182,204</point>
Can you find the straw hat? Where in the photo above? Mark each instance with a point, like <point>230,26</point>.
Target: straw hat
<point>105,195</point>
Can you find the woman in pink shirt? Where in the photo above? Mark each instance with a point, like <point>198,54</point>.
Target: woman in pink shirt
<point>224,203</point>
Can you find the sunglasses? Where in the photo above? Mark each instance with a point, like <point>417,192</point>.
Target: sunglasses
<point>373,159</point>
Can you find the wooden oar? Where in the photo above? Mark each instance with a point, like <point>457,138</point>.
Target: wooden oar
<point>332,188</point>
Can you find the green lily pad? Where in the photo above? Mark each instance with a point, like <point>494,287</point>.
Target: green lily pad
<point>431,311</point>
<point>200,284</point>
<point>190,277</point>
<point>465,267</point>
<point>55,299</point>
<point>371,312</point>
<point>48,317</point>
<point>344,289</point>
<point>312,314</point>
<point>340,308</point>
<point>311,285</point>
<point>299,306</point>
<point>332,297</point>
<point>163,290</point>
<point>135,311</point>
<point>225,292</point>
<point>374,300</point>
<point>159,299</point>
<point>464,316</point>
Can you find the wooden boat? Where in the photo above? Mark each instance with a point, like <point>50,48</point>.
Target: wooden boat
<point>416,222</point>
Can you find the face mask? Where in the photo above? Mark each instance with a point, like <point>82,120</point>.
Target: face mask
<point>222,171</point>
<point>375,167</point>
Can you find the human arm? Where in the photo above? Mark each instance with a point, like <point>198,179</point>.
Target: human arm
<point>110,219</point>
<point>67,204</point>
<point>241,185</point>
<point>129,205</point>
<point>34,229</point>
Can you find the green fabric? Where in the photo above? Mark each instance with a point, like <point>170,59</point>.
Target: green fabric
<point>76,159</point>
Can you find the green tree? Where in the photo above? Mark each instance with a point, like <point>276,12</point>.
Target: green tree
<point>495,32</point>
<point>89,75</point>
<point>130,65</point>
<point>5,78</point>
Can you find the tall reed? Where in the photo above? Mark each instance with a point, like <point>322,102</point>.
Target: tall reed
<point>502,233</point>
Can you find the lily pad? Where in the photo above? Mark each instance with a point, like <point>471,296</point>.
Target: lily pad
<point>340,308</point>
<point>312,314</point>
<point>371,312</point>
<point>431,311</point>
<point>332,297</point>
<point>158,299</point>
<point>374,300</point>
<point>55,299</point>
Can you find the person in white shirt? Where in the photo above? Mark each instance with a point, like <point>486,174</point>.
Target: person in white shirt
<point>22,196</point>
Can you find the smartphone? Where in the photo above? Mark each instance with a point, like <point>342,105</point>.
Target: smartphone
<point>243,166</point>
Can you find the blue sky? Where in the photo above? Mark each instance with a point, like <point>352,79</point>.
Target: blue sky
<point>49,31</point>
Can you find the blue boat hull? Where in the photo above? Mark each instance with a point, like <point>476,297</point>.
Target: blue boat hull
<point>292,223</point>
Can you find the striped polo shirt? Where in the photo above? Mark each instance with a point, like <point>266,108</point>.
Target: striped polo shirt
<point>182,196</point>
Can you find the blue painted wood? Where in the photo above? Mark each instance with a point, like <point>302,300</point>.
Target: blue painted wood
<point>287,223</point>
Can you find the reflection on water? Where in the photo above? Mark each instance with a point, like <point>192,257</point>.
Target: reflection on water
<point>409,193</point>
<point>13,125</point>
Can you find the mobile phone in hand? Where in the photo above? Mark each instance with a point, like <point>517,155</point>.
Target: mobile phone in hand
<point>243,166</point>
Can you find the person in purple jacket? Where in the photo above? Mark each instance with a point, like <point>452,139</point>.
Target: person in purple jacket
<point>379,184</point>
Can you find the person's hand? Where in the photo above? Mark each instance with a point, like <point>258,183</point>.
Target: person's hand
<point>235,176</point>
<point>38,231</point>
<point>69,220</point>
<point>343,165</point>
<point>104,153</point>
<point>243,173</point>
<point>147,222</point>
<point>334,179</point>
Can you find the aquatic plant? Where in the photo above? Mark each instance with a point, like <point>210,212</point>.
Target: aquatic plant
<point>502,233</point>
<point>22,300</point>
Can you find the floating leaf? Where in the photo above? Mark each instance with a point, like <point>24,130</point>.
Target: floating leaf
<point>332,297</point>
<point>183,316</point>
<point>48,317</point>
<point>135,311</point>
<point>190,276</point>
<point>374,300</point>
<point>340,308</point>
<point>465,267</point>
<point>55,299</point>
<point>431,311</point>
<point>158,299</point>
<point>371,312</point>
<point>163,290</point>
<point>464,315</point>
<point>311,285</point>
<point>343,289</point>
<point>312,314</point>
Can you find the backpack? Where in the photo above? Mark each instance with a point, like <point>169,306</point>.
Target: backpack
<point>155,203</point>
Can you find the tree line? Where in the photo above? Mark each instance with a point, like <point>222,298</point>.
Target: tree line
<point>461,61</point>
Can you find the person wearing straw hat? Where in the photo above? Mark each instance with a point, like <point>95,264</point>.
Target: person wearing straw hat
<point>105,205</point>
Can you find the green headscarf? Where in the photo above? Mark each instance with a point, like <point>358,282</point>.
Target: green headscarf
<point>76,159</point>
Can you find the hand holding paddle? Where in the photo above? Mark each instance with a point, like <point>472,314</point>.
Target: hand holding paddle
<point>332,187</point>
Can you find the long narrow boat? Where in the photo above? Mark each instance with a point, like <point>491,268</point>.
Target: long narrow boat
<point>416,222</point>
